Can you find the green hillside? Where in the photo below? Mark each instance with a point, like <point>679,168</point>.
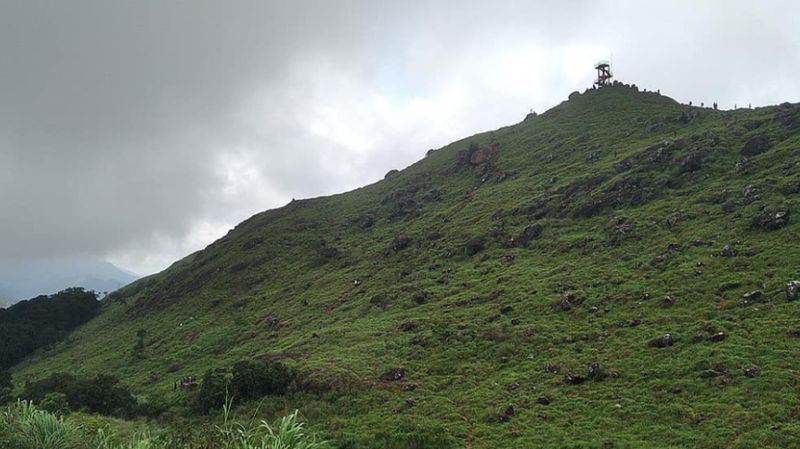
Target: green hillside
<point>462,301</point>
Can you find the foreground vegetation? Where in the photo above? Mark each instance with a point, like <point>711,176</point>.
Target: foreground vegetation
<point>24,426</point>
<point>616,272</point>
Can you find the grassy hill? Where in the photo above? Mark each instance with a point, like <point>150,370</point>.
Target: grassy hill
<point>463,300</point>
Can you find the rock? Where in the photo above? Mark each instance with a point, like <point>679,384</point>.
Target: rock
<point>717,337</point>
<point>271,322</point>
<point>394,374</point>
<point>408,325</point>
<point>594,156</point>
<point>420,340</point>
<point>474,246</point>
<point>551,369</point>
<point>480,156</point>
<point>668,301</point>
<point>692,162</point>
<point>543,400</point>
<point>409,387</point>
<point>400,242</point>
<point>506,414</point>
<point>565,304</point>
<point>596,372</point>
<point>429,152</point>
<point>662,341</point>
<point>379,301</point>
<point>756,145</point>
<point>357,282</point>
<point>506,309</point>
<point>771,219</point>
<point>792,290</point>
<point>711,373</point>
<point>365,222</point>
<point>754,296</point>
<point>574,379</point>
<point>621,229</point>
<point>750,193</point>
<point>753,371</point>
<point>392,173</point>
<point>329,252</point>
<point>728,251</point>
<point>530,232</point>
<point>790,188</point>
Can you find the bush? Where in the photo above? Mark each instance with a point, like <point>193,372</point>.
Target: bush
<point>248,379</point>
<point>255,379</point>
<point>55,403</point>
<point>5,387</point>
<point>101,394</point>
<point>213,390</point>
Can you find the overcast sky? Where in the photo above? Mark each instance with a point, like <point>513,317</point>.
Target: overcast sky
<point>140,131</point>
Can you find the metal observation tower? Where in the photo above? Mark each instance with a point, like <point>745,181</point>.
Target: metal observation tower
<point>603,74</point>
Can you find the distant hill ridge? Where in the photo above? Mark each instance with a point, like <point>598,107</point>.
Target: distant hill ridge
<point>22,279</point>
<point>614,272</point>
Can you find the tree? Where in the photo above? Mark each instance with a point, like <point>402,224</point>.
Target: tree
<point>254,379</point>
<point>213,391</point>
<point>5,387</point>
<point>43,321</point>
<point>138,348</point>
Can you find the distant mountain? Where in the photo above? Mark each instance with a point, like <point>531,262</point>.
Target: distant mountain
<point>27,279</point>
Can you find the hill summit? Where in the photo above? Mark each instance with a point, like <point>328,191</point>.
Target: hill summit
<point>615,272</point>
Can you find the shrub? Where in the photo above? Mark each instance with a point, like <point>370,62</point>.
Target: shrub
<point>213,390</point>
<point>248,379</point>
<point>255,379</point>
<point>101,394</point>
<point>55,403</point>
<point>5,387</point>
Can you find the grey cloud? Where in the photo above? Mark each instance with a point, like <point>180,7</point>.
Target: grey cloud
<point>142,130</point>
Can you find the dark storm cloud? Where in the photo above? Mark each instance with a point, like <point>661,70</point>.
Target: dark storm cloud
<point>142,130</point>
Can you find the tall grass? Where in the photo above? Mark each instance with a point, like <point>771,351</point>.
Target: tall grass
<point>23,426</point>
<point>288,434</point>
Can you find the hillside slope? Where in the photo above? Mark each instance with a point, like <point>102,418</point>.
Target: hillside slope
<point>495,272</point>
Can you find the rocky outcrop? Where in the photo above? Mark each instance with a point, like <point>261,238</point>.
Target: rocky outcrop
<point>771,219</point>
<point>756,145</point>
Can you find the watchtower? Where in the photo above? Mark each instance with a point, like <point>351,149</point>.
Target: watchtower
<point>603,74</point>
